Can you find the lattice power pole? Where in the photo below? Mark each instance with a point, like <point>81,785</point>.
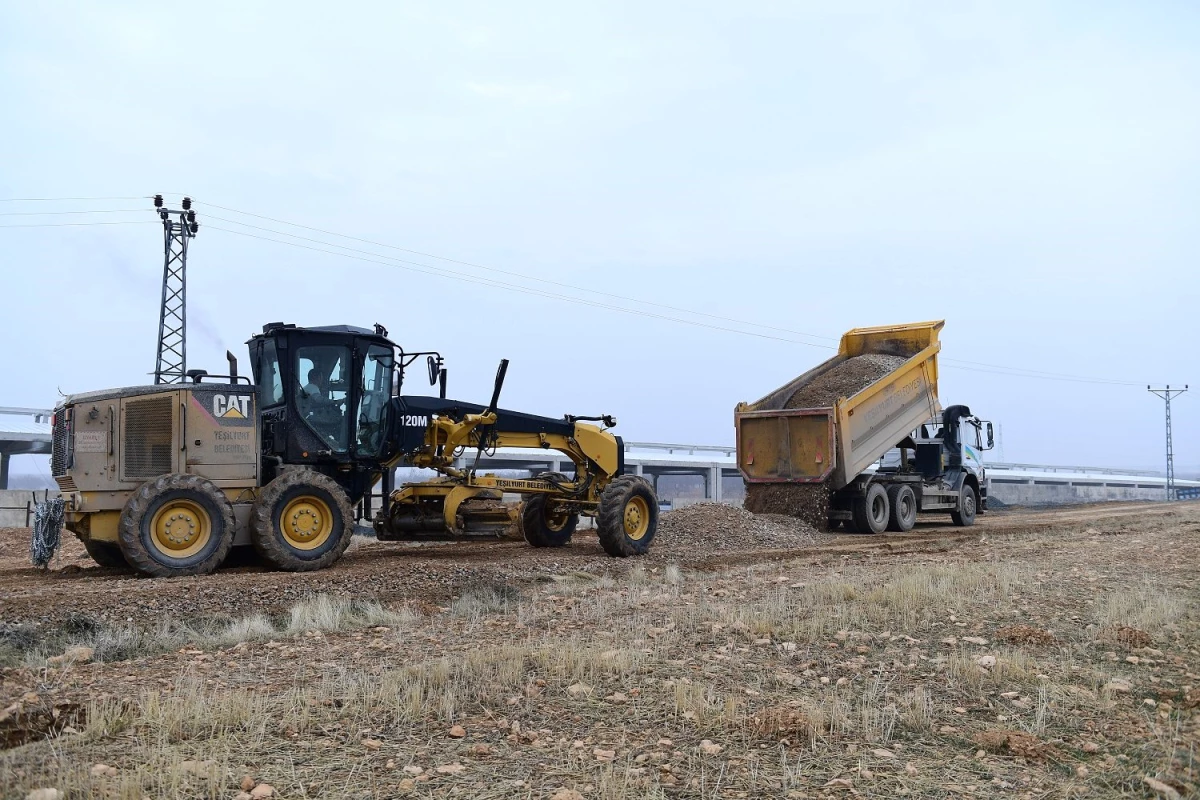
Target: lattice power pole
<point>171,365</point>
<point>1166,394</point>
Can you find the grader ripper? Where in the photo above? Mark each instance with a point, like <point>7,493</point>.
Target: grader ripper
<point>168,479</point>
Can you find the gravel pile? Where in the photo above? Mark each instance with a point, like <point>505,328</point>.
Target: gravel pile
<point>809,502</point>
<point>715,527</point>
<point>845,380</point>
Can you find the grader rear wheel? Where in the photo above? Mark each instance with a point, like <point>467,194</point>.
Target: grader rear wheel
<point>302,521</point>
<point>105,554</point>
<point>176,525</point>
<point>628,517</point>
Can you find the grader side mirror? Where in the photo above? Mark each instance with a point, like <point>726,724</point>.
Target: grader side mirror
<point>435,369</point>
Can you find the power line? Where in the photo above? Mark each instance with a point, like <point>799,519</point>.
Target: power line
<point>58,213</point>
<point>64,199</point>
<point>429,269</point>
<point>494,269</point>
<point>443,273</point>
<point>76,224</point>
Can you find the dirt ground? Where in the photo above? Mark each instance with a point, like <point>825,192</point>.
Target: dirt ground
<point>1046,653</point>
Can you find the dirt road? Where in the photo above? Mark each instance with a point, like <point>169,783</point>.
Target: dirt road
<point>435,572</point>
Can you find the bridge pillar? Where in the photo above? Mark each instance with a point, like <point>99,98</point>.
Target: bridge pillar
<point>4,470</point>
<point>714,484</point>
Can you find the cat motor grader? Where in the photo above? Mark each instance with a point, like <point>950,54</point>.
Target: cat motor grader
<point>167,479</point>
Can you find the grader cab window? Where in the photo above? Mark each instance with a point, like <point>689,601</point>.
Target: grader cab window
<point>270,383</point>
<point>373,400</point>
<point>322,386</point>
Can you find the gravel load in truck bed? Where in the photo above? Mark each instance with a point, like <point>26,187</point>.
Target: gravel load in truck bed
<point>809,502</point>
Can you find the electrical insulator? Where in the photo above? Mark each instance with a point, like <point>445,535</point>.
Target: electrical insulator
<point>195,227</point>
<point>187,203</point>
<point>191,215</point>
<point>158,201</point>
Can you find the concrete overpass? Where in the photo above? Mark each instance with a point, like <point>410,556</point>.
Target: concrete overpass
<point>22,431</point>
<point>716,466</point>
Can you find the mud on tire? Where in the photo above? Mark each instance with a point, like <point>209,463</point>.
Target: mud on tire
<point>176,525</point>
<point>628,517</point>
<point>301,521</point>
<point>902,515</point>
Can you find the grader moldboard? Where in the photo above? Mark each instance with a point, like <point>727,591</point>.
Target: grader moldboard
<point>168,478</point>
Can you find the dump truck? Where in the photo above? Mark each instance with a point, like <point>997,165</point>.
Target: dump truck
<point>862,441</point>
<point>166,479</point>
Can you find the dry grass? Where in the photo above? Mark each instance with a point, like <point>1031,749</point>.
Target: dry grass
<point>769,681</point>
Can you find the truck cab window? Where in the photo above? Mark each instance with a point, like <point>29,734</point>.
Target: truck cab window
<point>322,387</point>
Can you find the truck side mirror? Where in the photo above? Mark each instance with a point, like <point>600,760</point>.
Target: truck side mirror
<point>991,437</point>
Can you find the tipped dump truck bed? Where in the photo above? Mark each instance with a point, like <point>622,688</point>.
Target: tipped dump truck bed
<point>837,419</point>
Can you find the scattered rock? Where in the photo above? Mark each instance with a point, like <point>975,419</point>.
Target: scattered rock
<point>1090,747</point>
<point>840,783</point>
<point>979,640</point>
<point>449,769</point>
<point>45,794</point>
<point>262,791</point>
<point>987,662</point>
<point>372,744</point>
<point>579,690</point>
<point>1017,743</point>
<point>1125,635</point>
<point>1162,789</point>
<point>103,771</point>
<point>413,769</point>
<point>880,752</point>
<point>566,794</point>
<point>1024,634</point>
<point>242,796</point>
<point>247,783</point>
<point>604,755</point>
<point>457,732</point>
<point>74,655</point>
<point>710,748</point>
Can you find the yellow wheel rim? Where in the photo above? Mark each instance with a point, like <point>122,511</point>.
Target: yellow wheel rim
<point>180,529</point>
<point>637,518</point>
<point>306,522</point>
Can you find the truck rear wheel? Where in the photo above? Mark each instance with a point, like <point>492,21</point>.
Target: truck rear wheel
<point>628,517</point>
<point>176,525</point>
<point>871,511</point>
<point>105,554</point>
<point>968,505</point>
<point>302,521</point>
<point>903,502</point>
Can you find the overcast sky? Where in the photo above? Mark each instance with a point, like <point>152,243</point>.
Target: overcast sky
<point>1026,171</point>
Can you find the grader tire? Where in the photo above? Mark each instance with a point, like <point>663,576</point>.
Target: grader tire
<point>628,517</point>
<point>105,554</point>
<point>176,525</point>
<point>541,527</point>
<point>902,515</point>
<point>302,521</point>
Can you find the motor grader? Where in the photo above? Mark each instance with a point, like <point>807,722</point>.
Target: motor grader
<point>167,479</point>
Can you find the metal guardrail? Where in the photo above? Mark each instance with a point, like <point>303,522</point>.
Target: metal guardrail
<point>690,449</point>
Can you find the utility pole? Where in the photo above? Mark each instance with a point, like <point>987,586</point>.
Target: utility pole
<point>171,364</point>
<point>1166,394</point>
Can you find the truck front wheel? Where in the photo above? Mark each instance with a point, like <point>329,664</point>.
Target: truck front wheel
<point>904,508</point>
<point>871,511</point>
<point>968,504</point>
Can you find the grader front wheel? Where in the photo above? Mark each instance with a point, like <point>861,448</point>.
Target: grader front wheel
<point>541,524</point>
<point>628,517</point>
